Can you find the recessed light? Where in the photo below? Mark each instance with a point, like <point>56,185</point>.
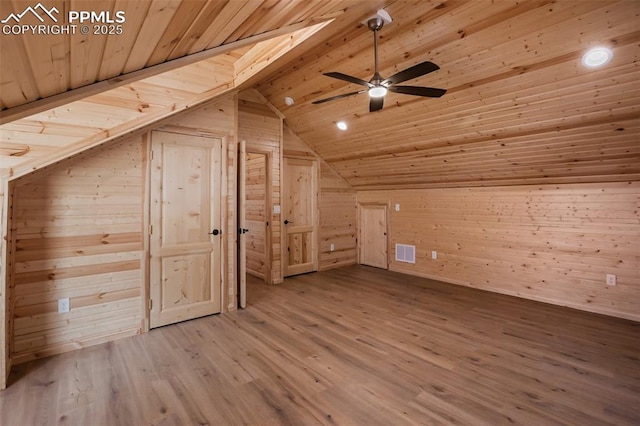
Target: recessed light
<point>597,57</point>
<point>289,101</point>
<point>342,125</point>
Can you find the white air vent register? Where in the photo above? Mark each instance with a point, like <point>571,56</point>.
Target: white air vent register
<point>405,253</point>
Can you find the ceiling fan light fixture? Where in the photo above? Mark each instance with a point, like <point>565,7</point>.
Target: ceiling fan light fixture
<point>377,91</point>
<point>597,57</point>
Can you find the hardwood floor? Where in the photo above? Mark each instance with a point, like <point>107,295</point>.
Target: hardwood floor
<point>352,346</point>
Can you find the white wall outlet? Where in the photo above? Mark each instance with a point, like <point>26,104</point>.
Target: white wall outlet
<point>611,279</point>
<point>63,306</point>
<point>332,247</point>
<point>276,209</point>
<point>434,254</point>
<point>397,207</point>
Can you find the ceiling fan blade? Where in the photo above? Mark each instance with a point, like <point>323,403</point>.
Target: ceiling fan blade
<point>348,78</point>
<point>344,95</point>
<point>411,72</point>
<point>428,92</point>
<point>375,104</point>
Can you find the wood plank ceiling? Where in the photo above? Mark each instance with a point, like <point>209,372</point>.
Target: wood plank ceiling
<point>62,94</point>
<point>520,107</point>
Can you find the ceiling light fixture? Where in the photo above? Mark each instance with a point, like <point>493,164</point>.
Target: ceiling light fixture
<point>377,91</point>
<point>341,125</point>
<point>597,57</point>
<point>289,101</point>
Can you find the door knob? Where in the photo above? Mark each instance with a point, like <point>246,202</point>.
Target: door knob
<point>215,232</point>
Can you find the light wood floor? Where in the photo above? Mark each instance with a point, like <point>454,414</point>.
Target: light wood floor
<point>352,346</point>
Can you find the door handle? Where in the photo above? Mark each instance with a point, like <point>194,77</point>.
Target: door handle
<point>286,222</point>
<point>242,230</point>
<point>215,232</point>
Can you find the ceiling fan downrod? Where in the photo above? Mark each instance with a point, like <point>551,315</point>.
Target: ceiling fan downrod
<point>378,90</point>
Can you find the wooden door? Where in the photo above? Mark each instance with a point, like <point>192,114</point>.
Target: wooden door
<point>185,240</point>
<point>242,224</point>
<point>300,216</point>
<point>372,239</point>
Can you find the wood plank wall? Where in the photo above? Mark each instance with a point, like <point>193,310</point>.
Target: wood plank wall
<point>261,128</point>
<point>552,243</point>
<point>256,216</point>
<point>337,207</point>
<point>78,232</point>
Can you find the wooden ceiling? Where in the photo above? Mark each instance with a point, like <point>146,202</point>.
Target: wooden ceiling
<point>62,94</point>
<point>520,107</point>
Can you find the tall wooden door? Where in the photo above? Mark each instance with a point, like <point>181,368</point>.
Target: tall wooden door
<point>372,239</point>
<point>242,224</point>
<point>185,241</point>
<point>299,214</point>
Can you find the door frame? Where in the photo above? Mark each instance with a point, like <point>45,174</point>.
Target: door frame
<point>359,226</point>
<point>316,220</point>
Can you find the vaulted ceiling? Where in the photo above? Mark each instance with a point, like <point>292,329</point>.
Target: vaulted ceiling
<point>520,108</point>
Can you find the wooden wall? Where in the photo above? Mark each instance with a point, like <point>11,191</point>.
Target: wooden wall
<point>552,243</point>
<point>261,128</point>
<point>79,232</point>
<point>256,216</point>
<point>337,207</point>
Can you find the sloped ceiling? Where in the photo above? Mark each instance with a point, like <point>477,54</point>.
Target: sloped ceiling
<point>173,55</point>
<point>520,108</point>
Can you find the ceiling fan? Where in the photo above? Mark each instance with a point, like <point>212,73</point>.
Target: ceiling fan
<point>378,86</point>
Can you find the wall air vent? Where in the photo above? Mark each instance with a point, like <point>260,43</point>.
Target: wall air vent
<point>405,253</point>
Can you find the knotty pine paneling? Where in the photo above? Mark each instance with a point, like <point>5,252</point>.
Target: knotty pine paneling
<point>552,243</point>
<point>520,108</point>
<point>77,230</point>
<point>78,233</point>
<point>337,205</point>
<point>39,65</point>
<point>256,215</point>
<point>261,128</point>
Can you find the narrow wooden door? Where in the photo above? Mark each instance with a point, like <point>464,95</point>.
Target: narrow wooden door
<point>185,240</point>
<point>242,224</point>
<point>373,236</point>
<point>299,216</point>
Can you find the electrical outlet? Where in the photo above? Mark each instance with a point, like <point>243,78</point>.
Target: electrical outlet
<point>397,207</point>
<point>611,279</point>
<point>63,306</point>
<point>332,247</point>
<point>434,254</point>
